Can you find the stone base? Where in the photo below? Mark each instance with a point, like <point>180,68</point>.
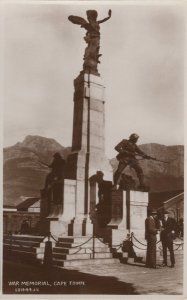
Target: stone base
<point>129,211</point>
<point>139,243</point>
<point>117,237</point>
<point>53,227</point>
<point>59,228</point>
<point>82,227</point>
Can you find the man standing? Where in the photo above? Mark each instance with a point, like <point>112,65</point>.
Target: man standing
<point>150,236</point>
<point>127,157</point>
<point>167,236</point>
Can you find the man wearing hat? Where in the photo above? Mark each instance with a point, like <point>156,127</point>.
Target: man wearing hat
<point>150,235</point>
<point>127,151</point>
<point>167,236</point>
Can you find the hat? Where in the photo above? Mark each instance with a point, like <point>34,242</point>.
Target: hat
<point>134,136</point>
<point>152,212</point>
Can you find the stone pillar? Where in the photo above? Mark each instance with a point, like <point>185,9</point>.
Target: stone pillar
<point>118,223</point>
<point>72,216</point>
<point>129,211</point>
<point>88,146</point>
<point>57,218</point>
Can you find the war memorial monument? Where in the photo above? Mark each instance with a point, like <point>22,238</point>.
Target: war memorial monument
<point>84,204</point>
<point>89,230</point>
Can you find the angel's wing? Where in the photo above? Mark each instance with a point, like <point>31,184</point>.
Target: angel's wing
<point>77,20</point>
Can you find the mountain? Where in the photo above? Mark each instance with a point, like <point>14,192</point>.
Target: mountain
<point>24,171</point>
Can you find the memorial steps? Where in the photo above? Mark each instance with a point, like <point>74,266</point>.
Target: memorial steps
<point>72,251</point>
<point>24,248</point>
<point>69,251</point>
<point>76,251</point>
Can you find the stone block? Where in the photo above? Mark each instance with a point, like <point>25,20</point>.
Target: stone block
<point>97,129</point>
<point>97,92</point>
<point>81,173</point>
<point>118,235</point>
<point>130,260</point>
<point>138,210</point>
<point>139,198</point>
<point>137,217</point>
<point>118,210</point>
<point>97,105</point>
<point>69,200</point>
<point>97,141</point>
<point>59,228</point>
<point>93,79</point>
<point>96,116</point>
<point>129,211</point>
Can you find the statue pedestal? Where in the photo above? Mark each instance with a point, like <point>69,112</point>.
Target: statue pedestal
<point>138,214</point>
<point>129,211</point>
<point>57,218</point>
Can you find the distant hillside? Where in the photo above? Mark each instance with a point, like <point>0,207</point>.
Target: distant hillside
<point>24,174</point>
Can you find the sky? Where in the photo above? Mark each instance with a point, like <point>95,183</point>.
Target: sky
<point>142,67</point>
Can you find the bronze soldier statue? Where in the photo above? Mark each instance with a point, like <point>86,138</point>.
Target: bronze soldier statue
<point>127,157</point>
<point>92,38</point>
<point>57,172</point>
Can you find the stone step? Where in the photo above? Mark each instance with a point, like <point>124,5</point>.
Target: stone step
<point>73,239</point>
<point>82,250</point>
<point>81,256</point>
<point>25,237</point>
<point>78,262</point>
<point>21,242</point>
<point>22,248</point>
<point>86,245</point>
<point>80,240</point>
<point>23,255</point>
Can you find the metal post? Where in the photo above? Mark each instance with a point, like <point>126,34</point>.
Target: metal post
<point>48,259</point>
<point>93,249</point>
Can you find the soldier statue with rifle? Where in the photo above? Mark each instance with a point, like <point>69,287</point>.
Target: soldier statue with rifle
<point>128,150</point>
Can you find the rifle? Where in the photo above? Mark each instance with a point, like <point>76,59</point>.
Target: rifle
<point>120,156</point>
<point>153,158</point>
<point>43,163</point>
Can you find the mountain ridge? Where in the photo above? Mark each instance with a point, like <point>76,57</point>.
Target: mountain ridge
<point>24,173</point>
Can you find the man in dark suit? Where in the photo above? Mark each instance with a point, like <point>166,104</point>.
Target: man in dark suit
<point>167,236</point>
<point>150,235</point>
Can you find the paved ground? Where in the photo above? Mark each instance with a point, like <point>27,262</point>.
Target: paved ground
<point>164,280</point>
<point>119,279</point>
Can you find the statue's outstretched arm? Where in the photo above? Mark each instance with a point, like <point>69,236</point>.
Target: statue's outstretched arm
<point>105,19</point>
<point>78,20</point>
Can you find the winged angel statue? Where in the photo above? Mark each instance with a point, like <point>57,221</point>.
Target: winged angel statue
<point>92,38</point>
